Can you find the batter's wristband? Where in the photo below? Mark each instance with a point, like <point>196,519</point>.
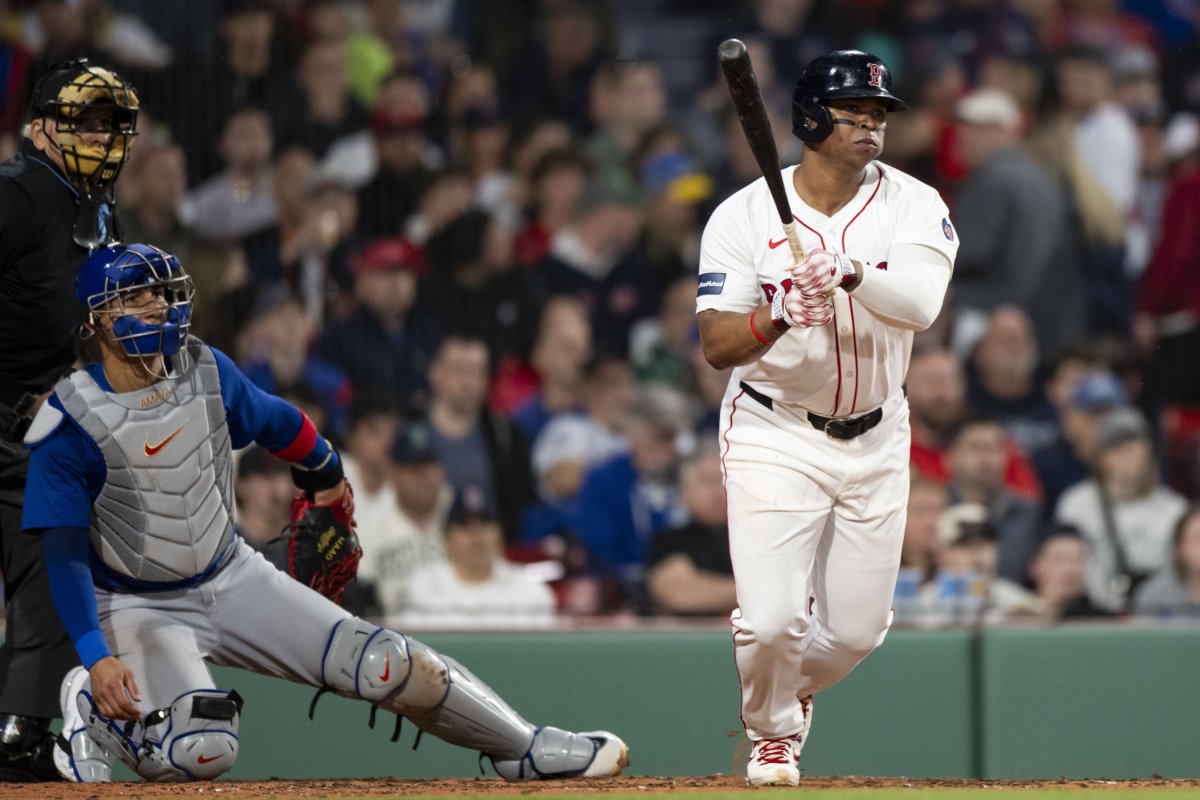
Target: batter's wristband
<point>754,330</point>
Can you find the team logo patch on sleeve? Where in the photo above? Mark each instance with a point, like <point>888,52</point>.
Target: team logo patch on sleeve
<point>947,229</point>
<point>710,283</point>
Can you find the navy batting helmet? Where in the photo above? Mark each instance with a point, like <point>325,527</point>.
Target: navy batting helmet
<point>837,75</point>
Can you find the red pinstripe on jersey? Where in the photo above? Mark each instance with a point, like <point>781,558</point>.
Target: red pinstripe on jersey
<point>853,327</point>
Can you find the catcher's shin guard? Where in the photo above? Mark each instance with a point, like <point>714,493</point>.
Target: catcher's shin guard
<point>401,675</point>
<point>193,739</point>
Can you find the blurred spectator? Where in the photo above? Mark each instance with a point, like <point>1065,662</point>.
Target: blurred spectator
<point>380,345</point>
<point>1181,73</point>
<point>1174,591</point>
<point>249,73</point>
<point>372,422</point>
<point>1059,575</point>
<point>688,567</point>
<point>967,588</point>
<point>670,245</point>
<point>1007,190</point>
<point>284,335</point>
<point>926,502</point>
<point>1136,84</point>
<point>552,73</point>
<point>623,501</point>
<point>628,100</point>
<point>1001,380</point>
<point>327,112</point>
<point>1107,140</point>
<point>560,356</point>
<point>661,347</point>
<point>240,200</point>
<point>976,461</point>
<point>937,405</point>
<point>1064,460</point>
<point>475,587</point>
<point>156,188</point>
<point>263,490</point>
<point>476,447</point>
<point>407,533</point>
<point>473,288</point>
<point>1125,514</point>
<point>17,60</point>
<point>591,260</point>
<point>556,183</point>
<point>405,157</point>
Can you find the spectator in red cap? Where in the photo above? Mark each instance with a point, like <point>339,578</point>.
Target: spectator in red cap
<point>378,345</point>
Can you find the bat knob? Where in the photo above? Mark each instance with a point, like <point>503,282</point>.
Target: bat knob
<point>731,50</point>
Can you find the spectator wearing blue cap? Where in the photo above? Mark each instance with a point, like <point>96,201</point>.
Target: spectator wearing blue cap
<point>407,533</point>
<point>1082,391</point>
<point>475,586</point>
<point>1124,511</point>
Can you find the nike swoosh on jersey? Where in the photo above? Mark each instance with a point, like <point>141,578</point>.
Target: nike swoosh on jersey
<point>207,759</point>
<point>773,245</point>
<point>152,449</point>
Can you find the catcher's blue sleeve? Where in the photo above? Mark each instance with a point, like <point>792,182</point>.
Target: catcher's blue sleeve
<point>273,423</point>
<point>66,473</point>
<point>71,588</point>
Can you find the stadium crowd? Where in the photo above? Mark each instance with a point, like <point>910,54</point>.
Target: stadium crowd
<point>463,235</point>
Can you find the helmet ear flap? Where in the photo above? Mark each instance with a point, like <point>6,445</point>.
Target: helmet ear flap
<point>811,121</point>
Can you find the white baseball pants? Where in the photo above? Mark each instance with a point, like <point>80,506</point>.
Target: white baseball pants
<point>815,529</point>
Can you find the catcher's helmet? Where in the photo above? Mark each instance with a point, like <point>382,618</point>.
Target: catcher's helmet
<point>836,75</point>
<point>110,275</point>
<point>83,99</point>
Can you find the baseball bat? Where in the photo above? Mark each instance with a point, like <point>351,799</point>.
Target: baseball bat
<point>752,113</point>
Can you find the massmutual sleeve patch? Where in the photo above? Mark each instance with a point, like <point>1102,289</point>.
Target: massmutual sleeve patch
<point>710,283</point>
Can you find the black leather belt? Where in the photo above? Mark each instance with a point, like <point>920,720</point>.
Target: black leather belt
<point>833,428</point>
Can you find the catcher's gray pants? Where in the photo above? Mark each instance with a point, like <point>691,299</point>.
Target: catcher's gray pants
<point>248,615</point>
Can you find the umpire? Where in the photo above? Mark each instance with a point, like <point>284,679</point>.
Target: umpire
<point>56,206</point>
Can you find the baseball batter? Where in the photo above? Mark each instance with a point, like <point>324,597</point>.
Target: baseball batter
<point>814,430</point>
<point>131,488</point>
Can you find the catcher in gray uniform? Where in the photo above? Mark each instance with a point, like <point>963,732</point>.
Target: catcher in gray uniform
<point>131,489</point>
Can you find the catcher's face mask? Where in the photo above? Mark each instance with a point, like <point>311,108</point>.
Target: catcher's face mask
<point>94,113</point>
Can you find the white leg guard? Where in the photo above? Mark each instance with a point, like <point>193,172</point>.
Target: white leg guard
<point>443,698</point>
<point>194,739</point>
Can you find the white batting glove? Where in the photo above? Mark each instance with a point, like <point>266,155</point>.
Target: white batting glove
<point>800,311</point>
<point>822,271</point>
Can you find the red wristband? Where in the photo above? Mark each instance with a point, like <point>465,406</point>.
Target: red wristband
<point>754,330</point>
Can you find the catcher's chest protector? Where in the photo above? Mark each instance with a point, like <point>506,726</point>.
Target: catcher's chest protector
<point>167,508</point>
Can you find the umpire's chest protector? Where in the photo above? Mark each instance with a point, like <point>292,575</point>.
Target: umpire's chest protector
<point>166,510</point>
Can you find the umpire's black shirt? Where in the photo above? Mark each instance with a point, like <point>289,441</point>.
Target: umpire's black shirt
<point>39,317</point>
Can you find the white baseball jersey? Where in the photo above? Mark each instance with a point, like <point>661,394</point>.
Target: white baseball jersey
<point>851,365</point>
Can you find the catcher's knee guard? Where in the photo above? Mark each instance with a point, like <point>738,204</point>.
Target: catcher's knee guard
<point>193,739</point>
<point>437,693</point>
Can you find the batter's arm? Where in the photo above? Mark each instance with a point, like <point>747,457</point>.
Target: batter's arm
<point>732,338</point>
<point>910,292</point>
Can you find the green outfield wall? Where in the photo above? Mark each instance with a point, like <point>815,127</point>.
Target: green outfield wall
<point>1087,702</point>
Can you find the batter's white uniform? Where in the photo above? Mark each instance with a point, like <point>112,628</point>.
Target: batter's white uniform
<point>816,523</point>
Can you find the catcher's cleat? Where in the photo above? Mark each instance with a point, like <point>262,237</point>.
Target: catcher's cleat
<point>556,753</point>
<point>774,762</point>
<point>76,755</point>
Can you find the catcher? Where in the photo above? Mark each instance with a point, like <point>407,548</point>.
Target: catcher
<point>131,489</point>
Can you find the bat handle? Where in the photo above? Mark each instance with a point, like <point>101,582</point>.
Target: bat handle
<point>793,238</point>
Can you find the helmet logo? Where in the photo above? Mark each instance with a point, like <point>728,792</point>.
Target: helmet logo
<point>876,78</point>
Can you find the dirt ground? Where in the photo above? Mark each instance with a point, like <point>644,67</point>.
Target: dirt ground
<point>496,787</point>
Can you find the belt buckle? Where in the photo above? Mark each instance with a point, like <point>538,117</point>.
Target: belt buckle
<point>835,430</point>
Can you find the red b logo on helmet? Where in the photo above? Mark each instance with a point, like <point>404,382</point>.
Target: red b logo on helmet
<point>876,78</point>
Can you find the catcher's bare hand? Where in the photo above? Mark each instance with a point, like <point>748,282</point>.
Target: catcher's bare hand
<point>114,689</point>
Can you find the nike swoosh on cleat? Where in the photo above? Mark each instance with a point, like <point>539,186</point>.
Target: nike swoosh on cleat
<point>152,449</point>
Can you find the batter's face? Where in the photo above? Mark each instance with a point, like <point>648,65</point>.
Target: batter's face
<point>861,140</point>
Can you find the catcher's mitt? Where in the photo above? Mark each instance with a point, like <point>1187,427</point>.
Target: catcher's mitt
<point>319,547</point>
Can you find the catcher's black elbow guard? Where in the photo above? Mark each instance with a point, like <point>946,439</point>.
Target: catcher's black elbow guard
<point>313,482</point>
